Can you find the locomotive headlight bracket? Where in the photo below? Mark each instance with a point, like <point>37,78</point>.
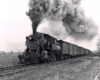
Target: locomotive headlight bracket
<point>26,37</point>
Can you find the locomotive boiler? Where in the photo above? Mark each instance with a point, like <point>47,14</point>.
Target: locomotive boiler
<point>45,48</point>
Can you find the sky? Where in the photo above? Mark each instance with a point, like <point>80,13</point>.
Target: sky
<point>15,25</point>
<point>92,9</point>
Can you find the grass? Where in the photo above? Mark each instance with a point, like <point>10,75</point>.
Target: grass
<point>8,59</point>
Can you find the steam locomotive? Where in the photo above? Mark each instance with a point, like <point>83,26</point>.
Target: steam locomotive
<point>45,48</point>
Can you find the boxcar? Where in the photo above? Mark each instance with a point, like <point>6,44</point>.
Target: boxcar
<point>71,49</point>
<point>65,48</point>
<point>86,51</point>
<point>79,49</point>
<point>89,52</point>
<point>75,50</point>
<point>82,51</point>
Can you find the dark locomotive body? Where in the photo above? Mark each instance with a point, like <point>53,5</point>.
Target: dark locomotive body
<point>45,48</point>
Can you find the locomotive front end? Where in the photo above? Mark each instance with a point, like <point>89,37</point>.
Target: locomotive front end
<point>32,42</point>
<point>31,54</point>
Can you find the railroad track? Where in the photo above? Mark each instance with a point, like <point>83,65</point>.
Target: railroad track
<point>10,67</point>
<point>9,71</point>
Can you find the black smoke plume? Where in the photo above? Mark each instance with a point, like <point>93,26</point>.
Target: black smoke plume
<point>67,12</point>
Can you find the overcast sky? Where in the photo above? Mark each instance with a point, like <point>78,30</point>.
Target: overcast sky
<point>15,25</point>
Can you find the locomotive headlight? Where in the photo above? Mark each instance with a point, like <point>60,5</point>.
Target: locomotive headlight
<point>30,38</point>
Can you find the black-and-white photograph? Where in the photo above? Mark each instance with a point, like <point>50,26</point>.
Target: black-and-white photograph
<point>49,40</point>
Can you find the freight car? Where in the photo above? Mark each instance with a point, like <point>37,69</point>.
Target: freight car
<point>45,48</point>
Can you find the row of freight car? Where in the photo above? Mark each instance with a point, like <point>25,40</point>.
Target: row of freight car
<point>73,50</point>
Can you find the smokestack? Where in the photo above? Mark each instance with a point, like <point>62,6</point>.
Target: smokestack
<point>34,26</point>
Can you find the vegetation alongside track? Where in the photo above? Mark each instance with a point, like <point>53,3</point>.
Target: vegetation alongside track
<point>8,59</point>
